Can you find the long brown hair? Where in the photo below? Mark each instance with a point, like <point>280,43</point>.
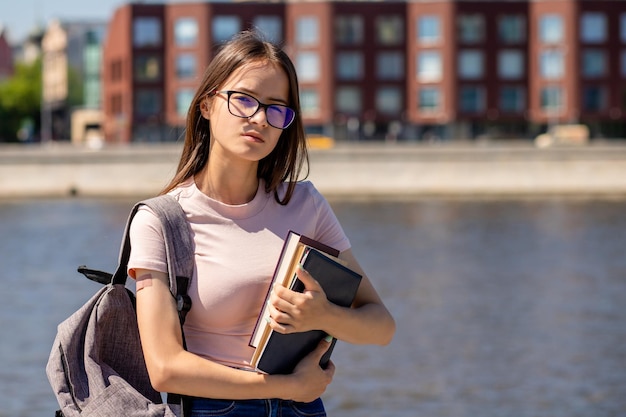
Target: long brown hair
<point>289,156</point>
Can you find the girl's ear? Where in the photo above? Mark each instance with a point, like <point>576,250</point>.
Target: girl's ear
<point>205,107</point>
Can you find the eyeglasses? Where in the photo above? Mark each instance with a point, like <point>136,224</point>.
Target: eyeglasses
<point>244,105</point>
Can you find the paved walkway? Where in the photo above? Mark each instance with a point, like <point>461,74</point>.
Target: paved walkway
<point>347,170</point>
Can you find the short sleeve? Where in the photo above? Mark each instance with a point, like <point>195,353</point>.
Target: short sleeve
<point>147,245</point>
<point>328,228</point>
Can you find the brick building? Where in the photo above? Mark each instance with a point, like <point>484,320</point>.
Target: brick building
<point>421,69</point>
<point>6,56</point>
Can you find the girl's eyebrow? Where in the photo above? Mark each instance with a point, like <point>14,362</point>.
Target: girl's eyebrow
<point>253,94</point>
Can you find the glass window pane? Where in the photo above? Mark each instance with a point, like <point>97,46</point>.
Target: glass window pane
<point>183,100</point>
<point>512,29</point>
<point>551,98</point>
<point>472,99</point>
<point>186,66</point>
<point>389,100</point>
<point>310,103</point>
<point>511,64</point>
<point>390,66</point>
<point>185,31</point>
<point>349,66</point>
<point>594,63</point>
<point>551,28</point>
<point>471,65</point>
<point>349,30</point>
<point>622,27</point>
<point>512,99</point>
<point>429,66</point>
<point>307,31</point>
<point>594,99</point>
<point>147,68</point>
<point>348,100</point>
<point>225,27</point>
<point>429,99</point>
<point>308,66</point>
<point>593,28</point>
<point>428,29</point>
<point>390,30</point>
<point>471,28</point>
<point>270,26</point>
<point>147,102</point>
<point>146,32</point>
<point>551,64</point>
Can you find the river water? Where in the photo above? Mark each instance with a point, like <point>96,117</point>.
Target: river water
<point>512,308</point>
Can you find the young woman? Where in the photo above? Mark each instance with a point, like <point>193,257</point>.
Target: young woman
<point>237,181</point>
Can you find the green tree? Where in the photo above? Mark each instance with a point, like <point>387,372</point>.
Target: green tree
<point>20,101</point>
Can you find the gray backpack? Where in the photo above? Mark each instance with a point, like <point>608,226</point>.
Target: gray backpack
<point>96,366</point>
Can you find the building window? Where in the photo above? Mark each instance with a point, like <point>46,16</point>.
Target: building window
<point>349,66</point>
<point>146,32</point>
<point>349,30</point>
<point>185,66</point>
<point>429,66</point>
<point>390,30</point>
<point>594,63</point>
<point>551,28</point>
<point>471,64</point>
<point>308,66</point>
<point>270,26</point>
<point>471,28</point>
<point>116,70</point>
<point>429,99</point>
<point>593,28</point>
<point>511,64</point>
<point>389,100</point>
<point>622,27</point>
<point>348,100</point>
<point>512,29</point>
<point>185,31</point>
<point>512,99</point>
<point>428,29</point>
<point>594,99</point>
<point>184,96</point>
<point>225,27</point>
<point>390,66</point>
<point>551,65</point>
<point>147,68</point>
<point>472,99</point>
<point>310,103</point>
<point>307,31</point>
<point>551,99</point>
<point>147,102</point>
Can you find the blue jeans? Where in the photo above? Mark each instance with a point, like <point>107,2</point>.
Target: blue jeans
<point>206,407</point>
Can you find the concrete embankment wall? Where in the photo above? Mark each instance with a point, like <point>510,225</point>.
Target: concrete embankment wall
<point>402,170</point>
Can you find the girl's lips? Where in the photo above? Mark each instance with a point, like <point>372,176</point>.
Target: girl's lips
<point>254,136</point>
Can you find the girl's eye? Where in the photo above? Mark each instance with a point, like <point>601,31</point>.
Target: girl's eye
<point>244,100</point>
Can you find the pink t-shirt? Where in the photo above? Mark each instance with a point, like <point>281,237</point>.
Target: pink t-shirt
<point>236,250</point>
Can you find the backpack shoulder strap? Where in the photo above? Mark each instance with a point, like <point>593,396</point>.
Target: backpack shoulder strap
<point>178,248</point>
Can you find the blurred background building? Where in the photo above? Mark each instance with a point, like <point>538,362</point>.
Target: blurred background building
<point>369,70</point>
<point>71,104</point>
<point>384,70</point>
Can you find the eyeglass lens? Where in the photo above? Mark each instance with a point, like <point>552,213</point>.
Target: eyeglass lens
<point>244,105</point>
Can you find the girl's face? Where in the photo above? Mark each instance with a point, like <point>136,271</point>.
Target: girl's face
<point>253,138</point>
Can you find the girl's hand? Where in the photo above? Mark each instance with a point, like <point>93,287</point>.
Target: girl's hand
<point>310,379</point>
<point>293,312</point>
